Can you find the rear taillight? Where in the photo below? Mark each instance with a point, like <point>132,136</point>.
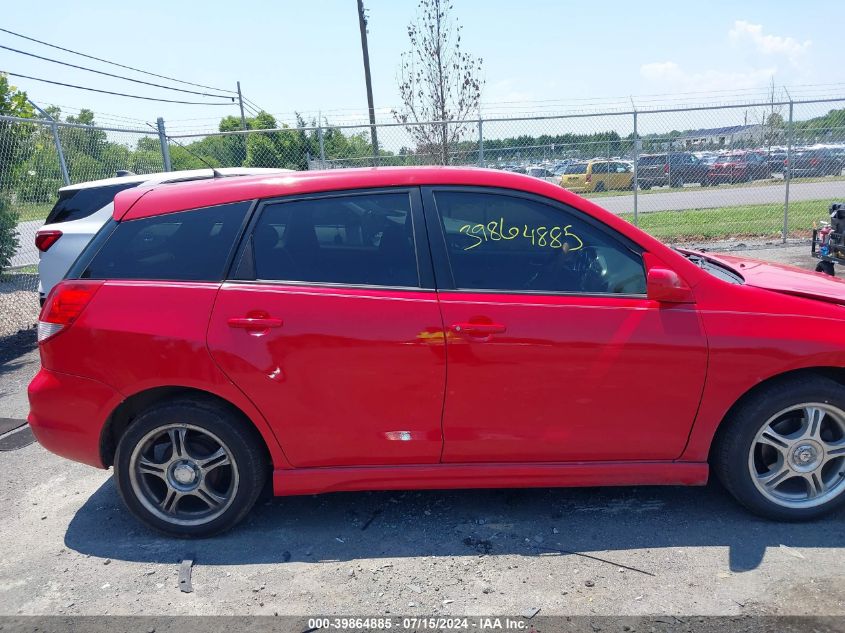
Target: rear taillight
<point>785,162</point>
<point>64,305</point>
<point>814,162</point>
<point>45,239</point>
<point>589,178</point>
<point>666,168</point>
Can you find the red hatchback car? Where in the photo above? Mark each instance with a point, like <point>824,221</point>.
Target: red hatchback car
<point>429,328</point>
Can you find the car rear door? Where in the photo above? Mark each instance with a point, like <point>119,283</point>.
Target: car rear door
<point>555,353</point>
<point>330,325</point>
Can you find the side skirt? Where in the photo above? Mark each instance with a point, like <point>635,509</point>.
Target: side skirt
<point>306,481</point>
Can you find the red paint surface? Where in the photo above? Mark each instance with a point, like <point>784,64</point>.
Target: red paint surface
<point>356,388</point>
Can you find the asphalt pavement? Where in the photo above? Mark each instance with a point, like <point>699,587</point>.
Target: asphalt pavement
<point>696,197</point>
<point>69,547</point>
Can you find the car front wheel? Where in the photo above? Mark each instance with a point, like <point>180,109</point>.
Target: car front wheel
<point>189,468</point>
<point>781,453</point>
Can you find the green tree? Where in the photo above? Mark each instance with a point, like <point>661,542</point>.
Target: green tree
<point>13,135</point>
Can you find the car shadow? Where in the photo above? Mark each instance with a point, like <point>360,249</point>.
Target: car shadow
<point>601,522</point>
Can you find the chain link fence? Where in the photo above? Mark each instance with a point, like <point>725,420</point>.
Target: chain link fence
<point>763,171</point>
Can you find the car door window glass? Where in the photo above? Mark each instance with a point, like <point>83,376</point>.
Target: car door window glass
<point>356,239</point>
<point>501,242</point>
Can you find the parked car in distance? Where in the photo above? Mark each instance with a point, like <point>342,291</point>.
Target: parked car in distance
<point>815,162</point>
<point>777,160</point>
<point>675,169</point>
<point>539,172</point>
<point>739,167</point>
<point>597,176</point>
<point>83,208</point>
<point>218,333</point>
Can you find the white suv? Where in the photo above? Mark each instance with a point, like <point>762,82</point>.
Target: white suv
<point>83,209</point>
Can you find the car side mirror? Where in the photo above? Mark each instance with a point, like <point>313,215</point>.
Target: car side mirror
<point>666,286</point>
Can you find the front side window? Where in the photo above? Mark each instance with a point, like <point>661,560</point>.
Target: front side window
<point>356,239</point>
<point>501,242</point>
<point>185,246</point>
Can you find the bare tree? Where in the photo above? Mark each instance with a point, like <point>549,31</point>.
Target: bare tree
<point>771,118</point>
<point>438,81</point>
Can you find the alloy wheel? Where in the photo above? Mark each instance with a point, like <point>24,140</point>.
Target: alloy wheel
<point>797,459</point>
<point>183,474</point>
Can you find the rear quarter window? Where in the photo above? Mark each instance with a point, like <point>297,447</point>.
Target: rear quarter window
<point>185,246</point>
<point>76,204</point>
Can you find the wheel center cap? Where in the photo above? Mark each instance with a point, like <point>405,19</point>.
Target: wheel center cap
<point>806,456</point>
<point>185,474</point>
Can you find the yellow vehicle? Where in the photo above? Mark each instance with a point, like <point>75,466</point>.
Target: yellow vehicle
<point>597,175</point>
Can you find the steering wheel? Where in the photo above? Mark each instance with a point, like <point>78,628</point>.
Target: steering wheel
<point>582,268</point>
<point>590,271</point>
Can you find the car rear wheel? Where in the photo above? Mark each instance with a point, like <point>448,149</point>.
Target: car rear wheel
<point>600,187</point>
<point>189,468</point>
<point>781,453</point>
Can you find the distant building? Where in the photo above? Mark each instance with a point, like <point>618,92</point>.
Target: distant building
<point>721,136</point>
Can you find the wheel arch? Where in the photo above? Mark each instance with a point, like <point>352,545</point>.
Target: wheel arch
<point>125,413</point>
<point>836,374</point>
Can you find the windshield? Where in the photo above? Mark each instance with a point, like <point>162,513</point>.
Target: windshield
<point>717,269</point>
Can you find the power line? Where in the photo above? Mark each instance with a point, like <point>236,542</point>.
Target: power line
<point>102,72</point>
<point>105,61</point>
<point>109,92</point>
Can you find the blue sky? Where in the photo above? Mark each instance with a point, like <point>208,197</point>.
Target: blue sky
<point>537,54</point>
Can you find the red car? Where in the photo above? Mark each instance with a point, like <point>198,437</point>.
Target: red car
<point>429,328</point>
<point>739,167</point>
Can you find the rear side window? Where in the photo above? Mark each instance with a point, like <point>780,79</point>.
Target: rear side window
<point>357,239</point>
<point>76,204</point>
<point>652,160</point>
<point>186,246</point>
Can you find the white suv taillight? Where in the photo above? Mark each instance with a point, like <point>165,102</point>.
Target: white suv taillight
<point>45,239</point>
<point>64,305</point>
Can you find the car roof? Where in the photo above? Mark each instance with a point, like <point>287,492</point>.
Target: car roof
<point>143,202</point>
<point>171,176</point>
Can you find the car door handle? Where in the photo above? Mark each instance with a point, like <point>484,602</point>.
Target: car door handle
<point>478,329</point>
<point>254,323</point>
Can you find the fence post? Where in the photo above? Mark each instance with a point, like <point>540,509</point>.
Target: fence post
<point>480,142</point>
<point>322,145</point>
<point>165,148</point>
<point>56,140</point>
<point>786,175</point>
<point>60,152</point>
<point>636,159</point>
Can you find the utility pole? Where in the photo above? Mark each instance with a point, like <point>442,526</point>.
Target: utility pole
<point>362,25</point>
<point>241,103</point>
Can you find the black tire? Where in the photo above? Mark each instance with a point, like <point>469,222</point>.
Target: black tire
<point>738,432</point>
<point>826,268</point>
<point>645,187</point>
<point>600,187</point>
<point>241,441</point>
<point>677,182</point>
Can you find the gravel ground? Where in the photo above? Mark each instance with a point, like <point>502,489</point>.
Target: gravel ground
<point>18,302</point>
<point>68,547</point>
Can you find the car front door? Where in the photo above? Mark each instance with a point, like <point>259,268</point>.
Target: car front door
<point>554,352</point>
<point>331,327</point>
